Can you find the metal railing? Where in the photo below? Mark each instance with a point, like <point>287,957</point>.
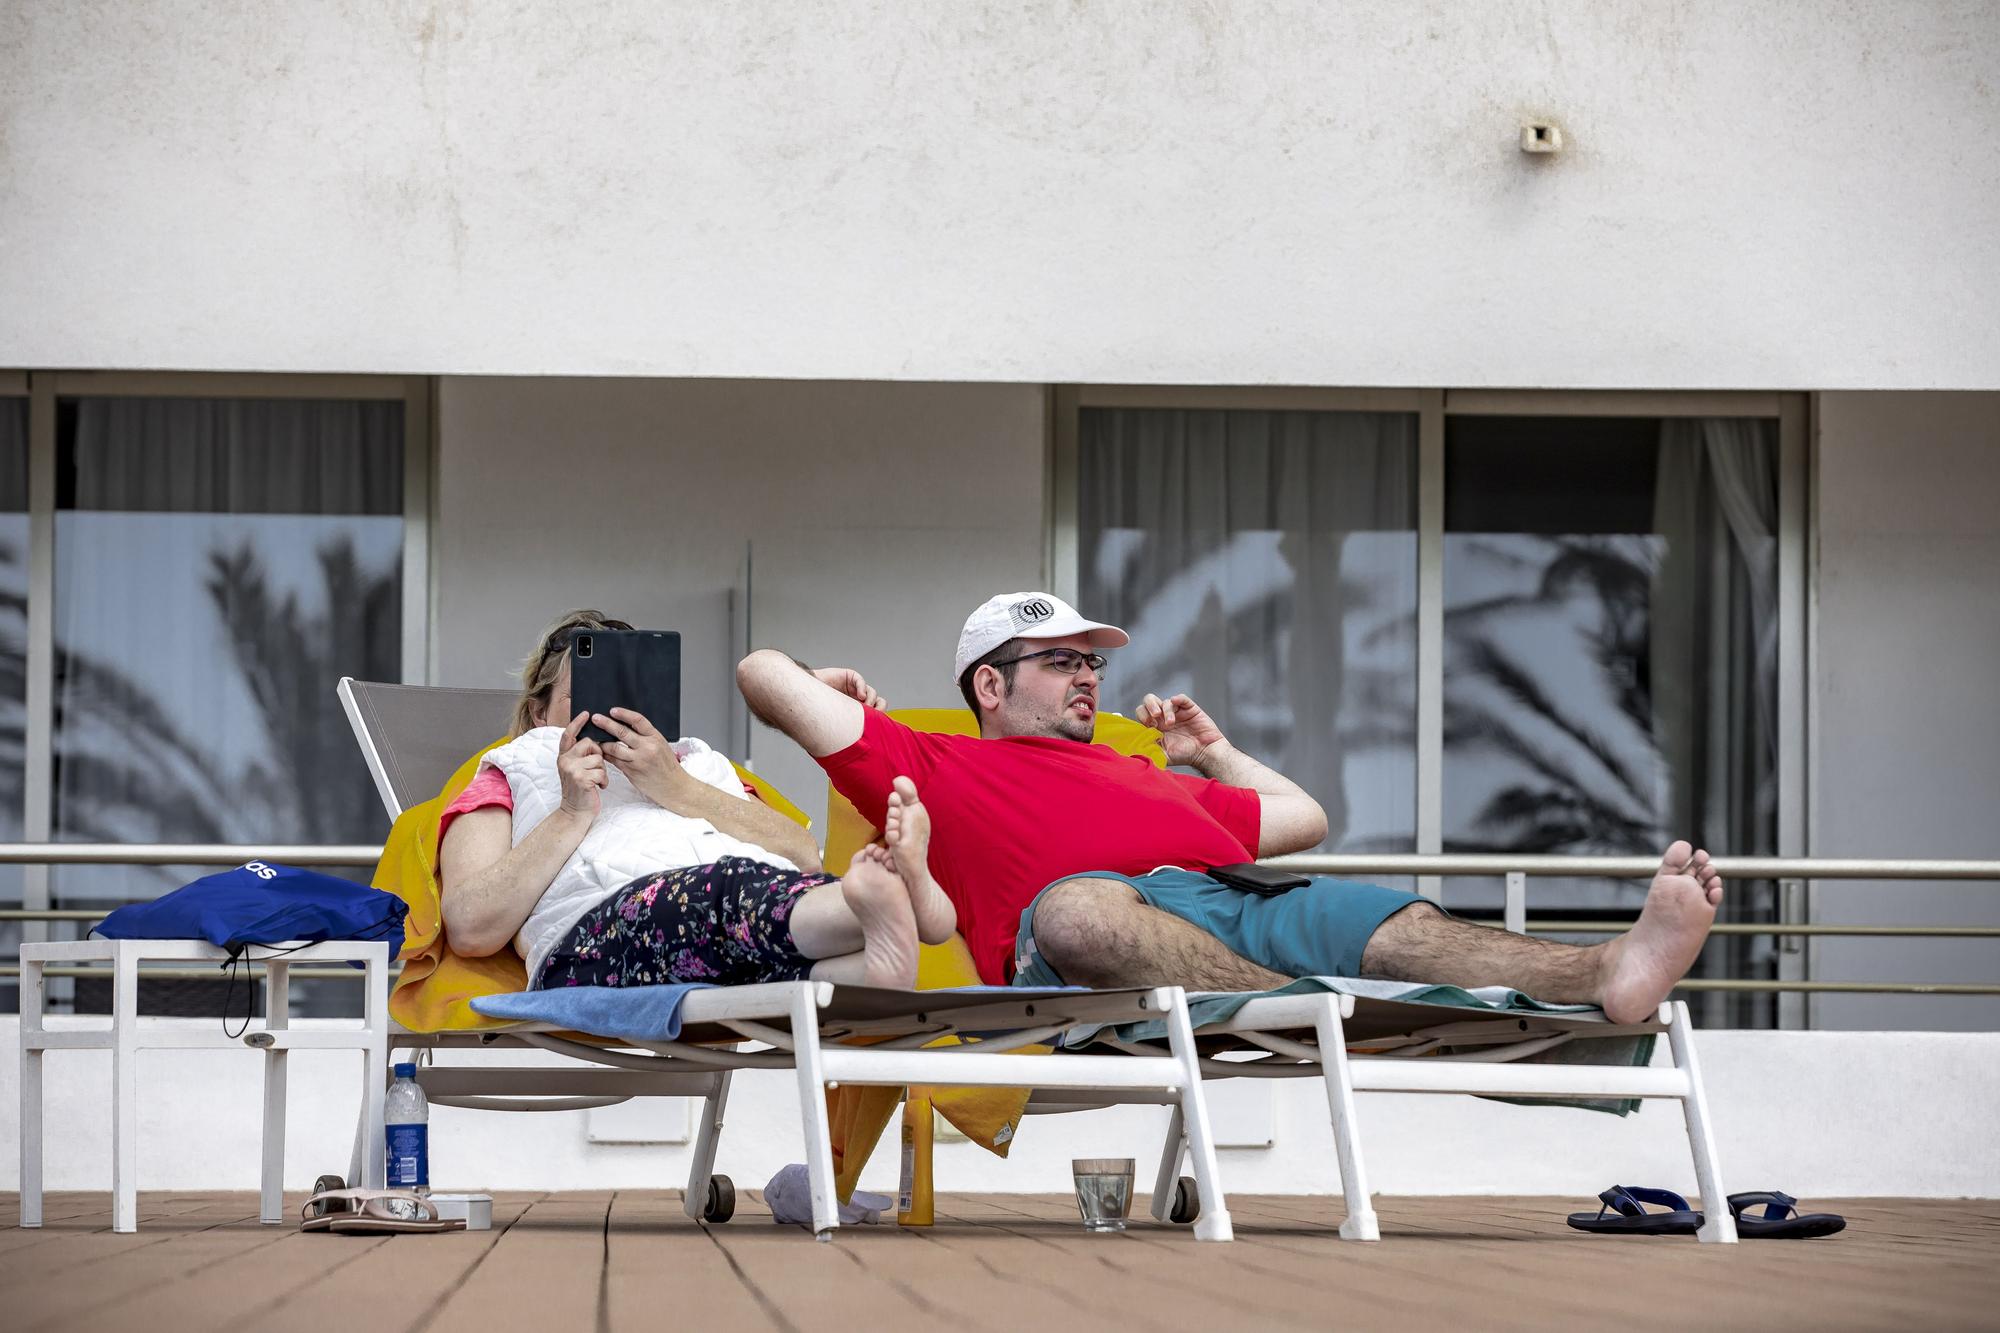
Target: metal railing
<point>1788,872</point>
<point>1513,871</point>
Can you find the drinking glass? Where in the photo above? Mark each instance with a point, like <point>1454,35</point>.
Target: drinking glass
<point>1103,1191</point>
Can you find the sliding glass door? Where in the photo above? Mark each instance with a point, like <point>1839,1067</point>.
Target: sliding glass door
<point>1483,622</point>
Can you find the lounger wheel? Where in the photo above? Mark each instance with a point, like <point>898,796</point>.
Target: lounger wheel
<point>1187,1201</point>
<point>720,1205</point>
<point>328,1183</point>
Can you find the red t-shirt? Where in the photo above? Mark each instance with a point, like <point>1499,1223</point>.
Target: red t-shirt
<point>1011,816</point>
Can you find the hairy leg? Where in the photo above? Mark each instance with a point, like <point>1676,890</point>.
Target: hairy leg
<point>907,831</point>
<point>1097,932</point>
<point>1628,976</point>
<point>1420,943</point>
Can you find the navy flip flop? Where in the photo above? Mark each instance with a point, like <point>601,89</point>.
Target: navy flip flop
<point>1624,1213</point>
<point>1781,1219</point>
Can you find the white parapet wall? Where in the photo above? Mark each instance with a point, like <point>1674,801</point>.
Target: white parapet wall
<point>1817,1114</point>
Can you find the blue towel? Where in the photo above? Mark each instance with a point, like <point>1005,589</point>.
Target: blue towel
<point>631,1013</point>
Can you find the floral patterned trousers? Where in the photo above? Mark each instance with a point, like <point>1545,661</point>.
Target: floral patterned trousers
<point>728,923</point>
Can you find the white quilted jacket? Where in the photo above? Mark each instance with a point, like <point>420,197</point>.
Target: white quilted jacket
<point>630,838</point>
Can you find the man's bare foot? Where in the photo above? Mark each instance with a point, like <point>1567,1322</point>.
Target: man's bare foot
<point>1642,965</point>
<point>875,894</point>
<point>907,830</point>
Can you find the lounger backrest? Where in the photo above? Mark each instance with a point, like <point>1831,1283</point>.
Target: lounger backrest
<point>414,737</point>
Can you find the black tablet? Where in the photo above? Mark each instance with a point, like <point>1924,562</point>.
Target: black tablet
<point>639,669</point>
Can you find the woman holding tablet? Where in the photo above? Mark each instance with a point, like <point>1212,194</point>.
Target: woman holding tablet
<point>642,859</point>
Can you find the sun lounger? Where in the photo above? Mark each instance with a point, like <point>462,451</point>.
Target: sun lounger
<point>1391,1036</point>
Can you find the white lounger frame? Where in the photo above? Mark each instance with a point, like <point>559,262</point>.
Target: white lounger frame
<point>800,1025</point>
<point>1274,1029</point>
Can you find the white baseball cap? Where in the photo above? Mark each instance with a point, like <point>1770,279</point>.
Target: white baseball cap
<point>1026,615</point>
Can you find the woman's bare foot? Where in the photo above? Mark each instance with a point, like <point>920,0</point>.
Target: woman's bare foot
<point>1642,965</point>
<point>907,830</point>
<point>875,894</point>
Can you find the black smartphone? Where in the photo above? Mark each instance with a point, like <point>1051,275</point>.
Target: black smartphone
<point>1253,878</point>
<point>639,669</point>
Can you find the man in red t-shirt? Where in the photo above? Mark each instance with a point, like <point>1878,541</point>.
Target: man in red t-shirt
<point>1069,863</point>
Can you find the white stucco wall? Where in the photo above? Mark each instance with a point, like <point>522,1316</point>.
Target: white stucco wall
<point>1793,193</point>
<point>1906,665</point>
<point>876,517</point>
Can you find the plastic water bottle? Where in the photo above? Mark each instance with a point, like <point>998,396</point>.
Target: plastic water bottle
<point>406,1114</point>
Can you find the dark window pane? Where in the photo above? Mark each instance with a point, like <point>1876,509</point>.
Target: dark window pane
<point>1564,476</point>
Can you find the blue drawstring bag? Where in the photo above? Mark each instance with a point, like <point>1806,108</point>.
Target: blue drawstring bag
<point>261,903</point>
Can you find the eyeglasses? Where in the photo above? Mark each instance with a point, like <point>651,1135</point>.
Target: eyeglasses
<point>560,640</point>
<point>1066,660</point>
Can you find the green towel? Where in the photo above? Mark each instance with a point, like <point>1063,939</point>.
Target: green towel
<point>1205,1007</point>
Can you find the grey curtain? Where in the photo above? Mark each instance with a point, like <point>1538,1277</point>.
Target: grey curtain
<point>235,456</point>
<point>1714,665</point>
<point>1265,563</point>
<point>13,624</point>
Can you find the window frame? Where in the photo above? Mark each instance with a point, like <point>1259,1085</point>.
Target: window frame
<point>1797,566</point>
<point>44,388</point>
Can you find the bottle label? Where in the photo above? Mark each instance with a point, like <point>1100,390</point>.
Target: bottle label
<point>906,1195</point>
<point>409,1157</point>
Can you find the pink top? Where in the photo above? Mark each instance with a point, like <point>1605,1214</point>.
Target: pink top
<point>488,787</point>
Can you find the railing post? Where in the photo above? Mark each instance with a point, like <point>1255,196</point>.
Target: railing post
<point>1791,912</point>
<point>1515,913</point>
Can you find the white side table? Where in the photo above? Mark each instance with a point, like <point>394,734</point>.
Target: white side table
<point>125,1036</point>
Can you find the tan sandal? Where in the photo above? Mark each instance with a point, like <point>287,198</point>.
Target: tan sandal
<point>391,1212</point>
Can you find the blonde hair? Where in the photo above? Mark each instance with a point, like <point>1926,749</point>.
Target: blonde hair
<point>544,664</point>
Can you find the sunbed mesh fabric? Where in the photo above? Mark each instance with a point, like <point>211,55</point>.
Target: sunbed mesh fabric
<point>1210,1007</point>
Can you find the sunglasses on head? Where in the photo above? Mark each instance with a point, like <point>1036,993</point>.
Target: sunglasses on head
<point>560,640</point>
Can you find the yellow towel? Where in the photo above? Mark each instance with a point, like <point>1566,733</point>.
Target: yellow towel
<point>988,1117</point>
<point>437,987</point>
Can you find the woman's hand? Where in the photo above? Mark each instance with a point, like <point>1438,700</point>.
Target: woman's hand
<point>641,753</point>
<point>848,681</point>
<point>580,765</point>
<point>1186,732</point>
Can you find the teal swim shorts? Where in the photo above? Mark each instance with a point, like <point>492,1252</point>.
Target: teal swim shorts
<point>1318,930</point>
